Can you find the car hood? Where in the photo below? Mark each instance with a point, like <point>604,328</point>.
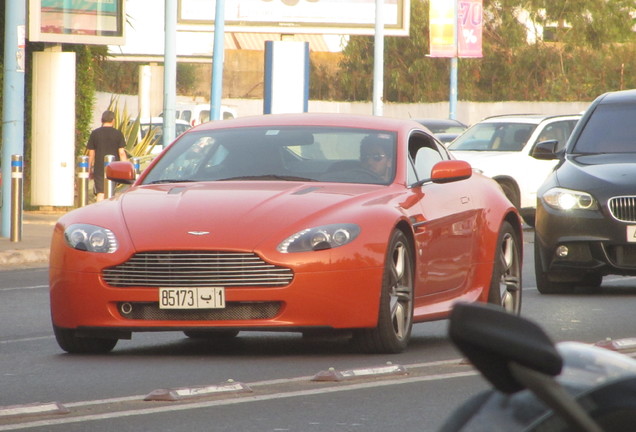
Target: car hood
<point>234,215</point>
<point>482,155</point>
<point>602,175</point>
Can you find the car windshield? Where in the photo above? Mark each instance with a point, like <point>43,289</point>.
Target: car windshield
<point>327,154</point>
<point>493,136</point>
<point>611,129</point>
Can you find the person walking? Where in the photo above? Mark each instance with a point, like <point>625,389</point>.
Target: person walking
<point>105,140</point>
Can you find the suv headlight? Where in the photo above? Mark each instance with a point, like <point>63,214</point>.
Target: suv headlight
<point>567,199</point>
<point>90,238</point>
<point>319,238</point>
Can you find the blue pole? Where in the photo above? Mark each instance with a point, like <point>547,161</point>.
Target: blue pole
<point>452,105</point>
<point>169,72</point>
<point>452,114</point>
<point>217,61</point>
<point>13,100</point>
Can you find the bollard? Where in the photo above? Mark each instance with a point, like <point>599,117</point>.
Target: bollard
<point>136,163</point>
<point>109,186</point>
<point>83,177</point>
<point>17,170</point>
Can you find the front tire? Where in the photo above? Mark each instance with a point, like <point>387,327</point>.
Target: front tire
<point>71,343</point>
<point>511,192</point>
<point>395,317</point>
<point>505,285</point>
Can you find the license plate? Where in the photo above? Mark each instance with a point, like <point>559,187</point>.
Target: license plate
<point>191,298</point>
<point>631,233</point>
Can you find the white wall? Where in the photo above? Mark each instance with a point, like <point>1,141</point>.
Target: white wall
<point>467,112</point>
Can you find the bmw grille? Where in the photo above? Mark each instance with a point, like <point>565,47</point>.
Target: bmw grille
<point>623,208</point>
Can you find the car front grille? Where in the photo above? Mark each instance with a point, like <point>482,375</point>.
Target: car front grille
<point>196,269</point>
<point>623,208</point>
<point>234,311</point>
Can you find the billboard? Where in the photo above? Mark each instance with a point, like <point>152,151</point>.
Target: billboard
<point>98,22</point>
<point>352,17</point>
<point>456,29</point>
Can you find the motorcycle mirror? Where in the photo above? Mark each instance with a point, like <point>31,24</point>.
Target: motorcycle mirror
<point>491,339</point>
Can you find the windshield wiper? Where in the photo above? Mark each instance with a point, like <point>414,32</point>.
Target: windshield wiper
<point>171,181</point>
<point>269,177</point>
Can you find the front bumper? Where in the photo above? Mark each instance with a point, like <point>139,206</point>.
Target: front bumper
<point>584,241</point>
<point>333,299</point>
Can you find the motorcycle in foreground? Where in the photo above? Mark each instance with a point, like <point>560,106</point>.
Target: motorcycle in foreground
<point>539,385</point>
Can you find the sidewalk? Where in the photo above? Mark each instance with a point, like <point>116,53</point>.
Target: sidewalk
<point>33,247</point>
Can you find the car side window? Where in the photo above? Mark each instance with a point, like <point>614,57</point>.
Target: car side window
<point>424,153</point>
<point>559,131</point>
<point>186,115</point>
<point>204,116</point>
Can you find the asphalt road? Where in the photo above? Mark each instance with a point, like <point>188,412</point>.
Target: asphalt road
<point>107,392</point>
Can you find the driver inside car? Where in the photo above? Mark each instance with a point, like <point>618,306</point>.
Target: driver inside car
<point>376,155</point>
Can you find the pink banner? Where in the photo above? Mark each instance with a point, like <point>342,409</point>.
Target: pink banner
<point>470,21</point>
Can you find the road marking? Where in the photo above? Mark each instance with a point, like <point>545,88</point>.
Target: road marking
<point>36,408</point>
<point>262,383</point>
<point>246,399</point>
<point>24,288</point>
<point>31,339</point>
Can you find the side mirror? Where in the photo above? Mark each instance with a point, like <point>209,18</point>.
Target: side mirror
<point>451,170</point>
<point>546,150</point>
<point>121,172</point>
<point>492,338</point>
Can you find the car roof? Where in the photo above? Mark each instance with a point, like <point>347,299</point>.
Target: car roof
<point>619,96</point>
<point>525,118</point>
<point>315,119</point>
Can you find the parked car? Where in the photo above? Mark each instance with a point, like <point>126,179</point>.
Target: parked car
<point>501,148</point>
<point>445,130</point>
<point>198,113</point>
<point>154,125</point>
<point>298,222</point>
<point>586,209</point>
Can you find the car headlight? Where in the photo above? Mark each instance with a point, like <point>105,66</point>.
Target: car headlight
<point>90,238</point>
<point>567,199</point>
<point>320,238</point>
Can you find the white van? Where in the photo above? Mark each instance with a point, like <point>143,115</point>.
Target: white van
<point>199,113</point>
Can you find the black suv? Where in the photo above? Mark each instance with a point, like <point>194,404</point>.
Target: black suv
<point>586,208</point>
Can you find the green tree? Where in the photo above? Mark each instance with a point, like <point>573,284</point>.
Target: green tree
<point>592,23</point>
<point>591,50</point>
<point>87,59</point>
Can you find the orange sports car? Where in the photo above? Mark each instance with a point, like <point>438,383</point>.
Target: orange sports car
<point>294,222</point>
